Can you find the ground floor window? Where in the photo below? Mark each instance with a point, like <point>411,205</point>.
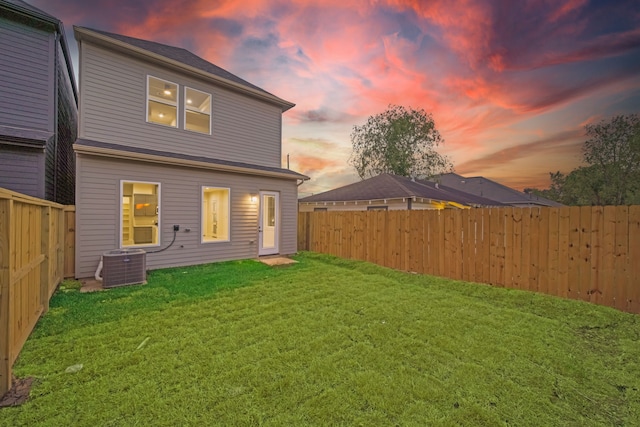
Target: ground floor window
<point>215,214</point>
<point>140,213</point>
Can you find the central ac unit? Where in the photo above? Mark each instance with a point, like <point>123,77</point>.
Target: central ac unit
<point>124,267</point>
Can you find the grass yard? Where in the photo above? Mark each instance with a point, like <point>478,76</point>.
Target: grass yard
<point>326,342</point>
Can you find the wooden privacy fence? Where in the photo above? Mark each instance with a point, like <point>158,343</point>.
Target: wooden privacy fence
<point>32,237</point>
<point>587,253</point>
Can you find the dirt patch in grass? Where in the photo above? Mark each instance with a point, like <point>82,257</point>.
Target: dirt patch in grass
<point>19,393</point>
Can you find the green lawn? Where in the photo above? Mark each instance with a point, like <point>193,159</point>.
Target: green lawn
<point>326,342</point>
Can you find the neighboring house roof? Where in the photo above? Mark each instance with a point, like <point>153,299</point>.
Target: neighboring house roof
<point>21,7</point>
<point>381,187</point>
<point>164,157</point>
<point>467,198</point>
<point>484,187</point>
<point>182,58</point>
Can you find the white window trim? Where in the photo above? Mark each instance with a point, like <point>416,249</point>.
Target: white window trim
<point>162,101</point>
<point>206,242</point>
<point>134,181</point>
<point>184,113</point>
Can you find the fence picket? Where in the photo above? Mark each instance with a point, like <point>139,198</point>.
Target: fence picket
<point>486,245</point>
<point>508,247</point>
<point>608,255</point>
<point>543,251</point>
<point>634,256</point>
<point>517,248</point>
<point>552,253</point>
<point>621,261</point>
<point>563,252</point>
<point>585,253</point>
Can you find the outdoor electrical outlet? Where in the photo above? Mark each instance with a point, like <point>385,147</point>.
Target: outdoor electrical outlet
<point>176,228</point>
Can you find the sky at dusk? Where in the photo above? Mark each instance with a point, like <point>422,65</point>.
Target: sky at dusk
<point>510,84</point>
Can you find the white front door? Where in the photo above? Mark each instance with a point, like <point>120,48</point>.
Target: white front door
<point>269,223</point>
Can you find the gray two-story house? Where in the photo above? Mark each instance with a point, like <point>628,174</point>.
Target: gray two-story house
<point>178,157</point>
<point>38,104</point>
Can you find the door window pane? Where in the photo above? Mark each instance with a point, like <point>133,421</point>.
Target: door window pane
<point>215,214</point>
<point>140,213</point>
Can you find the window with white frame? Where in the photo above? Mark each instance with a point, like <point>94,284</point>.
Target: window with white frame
<point>215,214</point>
<point>162,102</point>
<point>197,111</point>
<point>139,213</point>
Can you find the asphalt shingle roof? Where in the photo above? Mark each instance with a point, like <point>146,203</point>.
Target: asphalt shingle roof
<point>467,198</point>
<point>484,187</point>
<point>179,54</point>
<point>388,186</point>
<point>29,8</point>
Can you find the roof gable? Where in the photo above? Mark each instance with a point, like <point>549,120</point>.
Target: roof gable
<point>182,57</point>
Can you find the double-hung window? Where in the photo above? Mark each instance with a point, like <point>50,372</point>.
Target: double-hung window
<point>162,102</point>
<point>197,111</point>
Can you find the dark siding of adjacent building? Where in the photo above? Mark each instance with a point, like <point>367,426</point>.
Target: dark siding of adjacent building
<point>37,94</point>
<point>67,125</point>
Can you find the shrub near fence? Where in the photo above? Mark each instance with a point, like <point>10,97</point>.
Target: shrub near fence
<point>32,234</point>
<point>587,253</point>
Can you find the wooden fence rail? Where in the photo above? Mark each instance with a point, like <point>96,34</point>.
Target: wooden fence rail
<point>587,253</point>
<point>32,238</point>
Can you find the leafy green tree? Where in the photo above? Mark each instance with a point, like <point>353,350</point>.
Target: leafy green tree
<point>400,141</point>
<point>612,172</point>
<point>613,149</point>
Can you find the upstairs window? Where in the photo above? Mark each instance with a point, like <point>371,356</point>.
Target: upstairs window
<point>197,111</point>
<point>162,102</point>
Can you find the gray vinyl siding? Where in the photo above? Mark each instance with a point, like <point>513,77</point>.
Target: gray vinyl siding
<point>113,109</point>
<point>67,131</point>
<point>22,170</point>
<point>26,82</point>
<point>98,217</point>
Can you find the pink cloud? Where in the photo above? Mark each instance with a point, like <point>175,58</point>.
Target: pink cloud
<point>566,8</point>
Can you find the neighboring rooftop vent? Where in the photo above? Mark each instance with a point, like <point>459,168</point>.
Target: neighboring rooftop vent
<point>124,267</point>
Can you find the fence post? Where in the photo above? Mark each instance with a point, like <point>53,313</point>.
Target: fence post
<point>69,241</point>
<point>6,207</point>
<point>47,250</point>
